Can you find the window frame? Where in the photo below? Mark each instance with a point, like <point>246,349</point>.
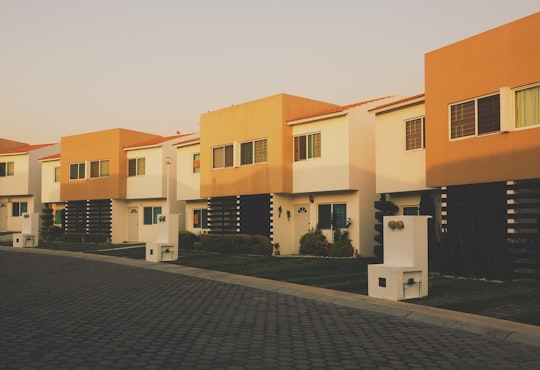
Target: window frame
<point>476,118</point>
<point>253,155</point>
<point>311,149</point>
<point>422,133</point>
<point>227,151</point>
<point>81,169</point>
<point>139,170</point>
<point>202,215</point>
<point>22,208</point>
<point>101,163</point>
<point>516,111</point>
<point>196,162</point>
<point>7,169</point>
<point>57,174</point>
<point>327,225</point>
<point>151,214</point>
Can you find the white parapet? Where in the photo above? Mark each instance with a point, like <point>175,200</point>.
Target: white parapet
<point>29,236</point>
<point>166,246</point>
<point>404,271</point>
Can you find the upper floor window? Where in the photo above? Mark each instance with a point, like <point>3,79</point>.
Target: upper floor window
<point>254,152</point>
<point>332,216</point>
<point>99,168</point>
<point>223,156</point>
<point>7,169</point>
<point>415,133</point>
<point>57,174</point>
<point>528,106</point>
<point>307,146</point>
<point>18,208</point>
<point>475,117</point>
<point>196,162</point>
<point>77,171</point>
<point>136,167</point>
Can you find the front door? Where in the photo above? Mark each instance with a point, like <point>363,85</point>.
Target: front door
<point>133,224</point>
<point>301,224</point>
<point>3,217</point>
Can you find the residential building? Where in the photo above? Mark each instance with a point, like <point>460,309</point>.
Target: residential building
<point>483,130</point>
<point>20,179</point>
<point>282,165</point>
<point>189,185</point>
<point>95,182</point>
<point>400,157</point>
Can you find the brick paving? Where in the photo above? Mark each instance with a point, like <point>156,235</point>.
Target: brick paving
<point>60,312</point>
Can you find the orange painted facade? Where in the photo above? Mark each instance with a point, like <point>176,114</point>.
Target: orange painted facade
<point>97,146</point>
<point>260,119</point>
<point>507,58</point>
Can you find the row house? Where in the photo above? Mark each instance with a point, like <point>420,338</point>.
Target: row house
<point>483,130</point>
<point>400,145</point>
<point>20,178</point>
<point>280,166</point>
<point>114,182</point>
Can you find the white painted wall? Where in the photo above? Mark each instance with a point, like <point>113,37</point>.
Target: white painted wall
<point>397,169</point>
<point>50,190</point>
<point>188,183</point>
<point>152,183</point>
<point>19,183</point>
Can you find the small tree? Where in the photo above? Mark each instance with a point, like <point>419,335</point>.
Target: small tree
<point>385,208</point>
<point>47,222</point>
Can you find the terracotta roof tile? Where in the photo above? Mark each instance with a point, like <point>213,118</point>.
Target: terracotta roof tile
<point>338,109</point>
<point>397,102</point>
<point>53,156</point>
<point>25,148</point>
<point>157,141</point>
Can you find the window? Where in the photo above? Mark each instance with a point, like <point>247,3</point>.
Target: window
<point>200,218</point>
<point>7,169</point>
<point>99,168</point>
<point>196,162</point>
<point>19,208</point>
<point>332,214</point>
<point>253,152</point>
<point>77,171</point>
<point>137,167</point>
<point>475,117</point>
<point>223,156</point>
<point>57,174</point>
<point>411,210</point>
<point>307,146</point>
<point>151,215</point>
<point>414,133</point>
<point>528,107</point>
<point>59,217</point>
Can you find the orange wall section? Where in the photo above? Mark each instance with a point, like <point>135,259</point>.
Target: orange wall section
<point>259,119</point>
<point>507,56</point>
<point>99,145</point>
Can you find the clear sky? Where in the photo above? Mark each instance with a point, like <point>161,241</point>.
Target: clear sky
<point>75,66</point>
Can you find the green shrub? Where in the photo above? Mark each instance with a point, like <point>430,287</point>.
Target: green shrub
<point>96,238</point>
<point>186,239</point>
<point>72,237</point>
<point>221,243</point>
<point>314,243</point>
<point>261,245</point>
<point>241,244</point>
<point>341,248</point>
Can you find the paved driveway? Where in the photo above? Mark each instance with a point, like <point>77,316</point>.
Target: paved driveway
<point>60,312</point>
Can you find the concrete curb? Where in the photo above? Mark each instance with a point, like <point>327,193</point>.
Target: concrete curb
<point>486,326</point>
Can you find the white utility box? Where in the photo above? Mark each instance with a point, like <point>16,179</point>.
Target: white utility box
<point>29,235</point>
<point>165,248</point>
<point>404,271</point>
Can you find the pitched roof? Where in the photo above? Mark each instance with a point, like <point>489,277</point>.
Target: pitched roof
<point>24,149</point>
<point>50,157</point>
<point>342,108</point>
<point>156,141</point>
<point>398,102</point>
